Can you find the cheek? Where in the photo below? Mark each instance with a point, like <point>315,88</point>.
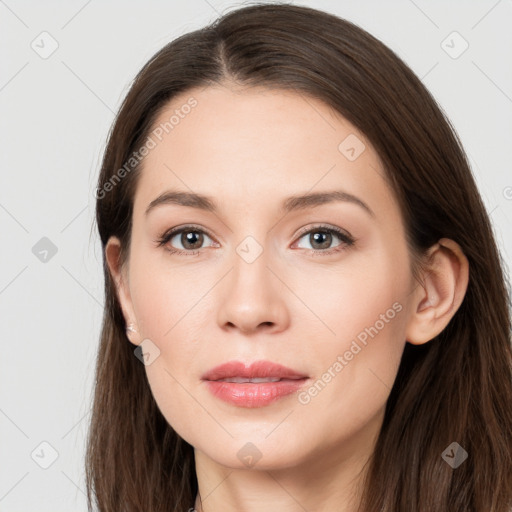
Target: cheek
<point>170,392</point>
<point>356,374</point>
<point>169,313</point>
<point>163,295</point>
<point>342,301</point>
<point>358,358</point>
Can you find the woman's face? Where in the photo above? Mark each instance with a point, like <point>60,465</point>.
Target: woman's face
<point>260,278</point>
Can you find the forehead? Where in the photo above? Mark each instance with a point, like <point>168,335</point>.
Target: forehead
<point>256,146</point>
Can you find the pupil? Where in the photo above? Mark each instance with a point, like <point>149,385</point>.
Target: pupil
<point>318,236</point>
<point>189,238</point>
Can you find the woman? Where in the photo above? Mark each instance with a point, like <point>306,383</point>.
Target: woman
<point>305,305</point>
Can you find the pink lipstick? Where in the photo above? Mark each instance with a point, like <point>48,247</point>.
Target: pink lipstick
<point>257,385</point>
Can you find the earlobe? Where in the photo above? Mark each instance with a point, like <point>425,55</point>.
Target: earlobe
<point>112,253</point>
<point>441,292</point>
<point>132,334</point>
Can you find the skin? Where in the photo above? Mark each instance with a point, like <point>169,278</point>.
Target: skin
<point>250,149</point>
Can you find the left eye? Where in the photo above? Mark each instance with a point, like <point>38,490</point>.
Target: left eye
<point>322,236</point>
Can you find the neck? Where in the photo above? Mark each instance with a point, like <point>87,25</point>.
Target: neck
<point>329,480</point>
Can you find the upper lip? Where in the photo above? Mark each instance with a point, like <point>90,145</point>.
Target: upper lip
<point>258,369</point>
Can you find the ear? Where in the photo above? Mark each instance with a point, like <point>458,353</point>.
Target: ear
<point>120,278</point>
<point>439,295</point>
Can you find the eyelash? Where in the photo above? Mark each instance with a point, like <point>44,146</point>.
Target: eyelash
<point>347,240</point>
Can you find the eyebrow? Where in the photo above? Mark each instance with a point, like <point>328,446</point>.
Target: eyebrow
<point>293,203</point>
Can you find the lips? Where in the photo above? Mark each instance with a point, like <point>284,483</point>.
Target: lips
<point>257,385</point>
<point>236,371</point>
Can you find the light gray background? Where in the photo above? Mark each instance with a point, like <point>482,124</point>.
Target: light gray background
<point>55,114</point>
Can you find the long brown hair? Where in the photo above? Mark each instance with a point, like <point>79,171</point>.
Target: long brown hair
<point>455,388</point>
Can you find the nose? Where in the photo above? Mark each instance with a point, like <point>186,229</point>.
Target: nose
<point>252,298</point>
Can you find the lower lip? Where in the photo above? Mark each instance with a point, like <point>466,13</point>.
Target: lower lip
<point>249,394</point>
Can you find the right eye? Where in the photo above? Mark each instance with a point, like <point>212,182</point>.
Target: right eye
<point>190,237</point>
